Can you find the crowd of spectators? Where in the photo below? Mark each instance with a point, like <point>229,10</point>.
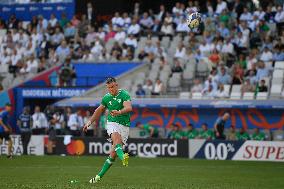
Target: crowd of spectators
<point>236,39</point>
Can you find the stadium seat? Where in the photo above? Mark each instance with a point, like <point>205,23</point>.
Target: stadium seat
<point>174,85</point>
<point>4,69</point>
<point>275,90</point>
<point>279,65</point>
<point>197,96</point>
<point>278,135</point>
<point>236,88</point>
<point>165,42</point>
<point>248,96</point>
<point>235,95</point>
<point>184,95</point>
<point>202,69</point>
<point>278,74</point>
<point>227,88</point>
<point>262,96</point>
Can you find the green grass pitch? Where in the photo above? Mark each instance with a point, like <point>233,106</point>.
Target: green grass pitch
<point>57,172</point>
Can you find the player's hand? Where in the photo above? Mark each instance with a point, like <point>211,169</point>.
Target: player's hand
<point>217,134</point>
<point>6,129</point>
<point>115,113</point>
<point>85,128</point>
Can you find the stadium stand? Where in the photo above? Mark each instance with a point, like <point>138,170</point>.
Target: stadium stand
<point>247,45</point>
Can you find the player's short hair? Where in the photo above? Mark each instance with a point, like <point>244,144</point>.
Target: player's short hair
<point>110,80</point>
<point>8,104</point>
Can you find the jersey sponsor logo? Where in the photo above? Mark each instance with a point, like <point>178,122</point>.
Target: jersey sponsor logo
<point>110,103</point>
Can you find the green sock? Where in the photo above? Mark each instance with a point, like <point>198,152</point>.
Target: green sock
<point>106,166</point>
<point>119,151</point>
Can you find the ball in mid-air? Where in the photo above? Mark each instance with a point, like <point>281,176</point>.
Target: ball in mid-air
<point>194,20</point>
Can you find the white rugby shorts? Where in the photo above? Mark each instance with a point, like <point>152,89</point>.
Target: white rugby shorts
<point>113,127</point>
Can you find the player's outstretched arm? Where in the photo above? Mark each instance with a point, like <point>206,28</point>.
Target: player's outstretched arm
<point>95,117</point>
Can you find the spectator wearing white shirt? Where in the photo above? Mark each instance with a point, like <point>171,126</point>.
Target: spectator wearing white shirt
<point>246,15</point>
<point>53,20</point>
<point>146,22</point>
<point>120,35</point>
<point>228,47</point>
<point>20,37</point>
<point>15,57</point>
<point>266,55</point>
<point>209,93</point>
<point>259,13</point>
<point>254,23</point>
<point>97,49</point>
<point>5,58</point>
<point>221,5</point>
<point>167,29</point>
<point>180,52</point>
<point>197,86</point>
<point>243,28</point>
<point>251,60</point>
<point>101,34</point>
<point>221,93</point>
<point>91,35</point>
<point>134,28</point>
<point>262,71</point>
<point>241,42</point>
<point>182,27</point>
<point>32,64</point>
<point>209,82</point>
<point>75,123</point>
<point>117,21</point>
<point>158,88</point>
<point>126,20</point>
<point>177,9</point>
<point>131,41</point>
<point>39,122</point>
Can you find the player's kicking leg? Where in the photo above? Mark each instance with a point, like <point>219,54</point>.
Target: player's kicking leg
<point>115,152</point>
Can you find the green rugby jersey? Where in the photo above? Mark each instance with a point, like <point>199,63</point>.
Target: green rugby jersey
<point>191,134</point>
<point>258,136</point>
<point>116,103</point>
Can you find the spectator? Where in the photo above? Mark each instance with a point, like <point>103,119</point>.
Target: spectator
<point>58,122</point>
<point>147,130</point>
<point>69,31</point>
<point>215,57</point>
<point>210,82</point>
<point>252,78</point>
<point>206,133</point>
<point>278,54</point>
<point>63,50</point>
<point>266,55</point>
<point>247,87</point>
<point>75,123</point>
<point>257,135</point>
<point>209,93</point>
<point>242,134</point>
<point>117,21</point>
<point>148,87</point>
<point>180,51</point>
<point>246,15</point>
<point>120,35</point>
<point>242,61</point>
<point>177,68</point>
<point>221,93</point>
<point>238,74</point>
<point>190,133</point>
<point>134,28</point>
<point>110,34</point>
<point>32,64</point>
<point>67,74</point>
<point>223,77</point>
<point>219,126</point>
<point>197,86</point>
<point>131,41</point>
<point>91,13</point>
<point>167,29</point>
<point>261,71</point>
<point>57,37</point>
<point>39,122</point>
<point>140,92</point>
<point>279,18</point>
<point>158,88</point>
<point>53,21</point>
<point>146,22</point>
<point>182,27</point>
<point>232,133</point>
<point>221,5</point>
<point>262,87</point>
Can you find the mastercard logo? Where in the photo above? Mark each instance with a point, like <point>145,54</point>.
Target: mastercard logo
<point>76,147</point>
